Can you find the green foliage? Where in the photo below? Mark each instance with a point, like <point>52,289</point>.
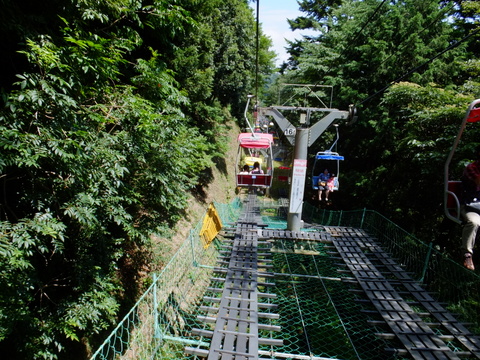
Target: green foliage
<point>361,48</point>
<point>116,115</point>
<point>379,55</point>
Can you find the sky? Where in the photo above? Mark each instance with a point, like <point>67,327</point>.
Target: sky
<point>273,17</point>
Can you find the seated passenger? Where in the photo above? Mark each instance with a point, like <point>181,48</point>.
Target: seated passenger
<point>256,168</point>
<point>245,170</point>
<point>325,183</point>
<point>331,182</point>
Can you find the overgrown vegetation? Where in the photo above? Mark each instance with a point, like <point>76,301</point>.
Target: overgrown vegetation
<point>110,117</point>
<point>112,113</point>
<point>411,69</point>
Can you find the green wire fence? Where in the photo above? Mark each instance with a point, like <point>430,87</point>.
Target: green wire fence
<point>447,280</point>
<point>157,326</point>
<point>319,316</point>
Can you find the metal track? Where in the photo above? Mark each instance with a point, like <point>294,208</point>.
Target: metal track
<point>243,266</point>
<point>418,338</point>
<point>235,335</point>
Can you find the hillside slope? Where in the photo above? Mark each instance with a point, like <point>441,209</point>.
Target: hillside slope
<point>221,188</point>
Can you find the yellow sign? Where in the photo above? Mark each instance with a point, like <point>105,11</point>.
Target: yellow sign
<point>250,160</point>
<point>212,224</point>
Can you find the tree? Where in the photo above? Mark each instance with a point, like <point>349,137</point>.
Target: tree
<point>362,46</point>
<point>100,148</point>
<point>362,49</point>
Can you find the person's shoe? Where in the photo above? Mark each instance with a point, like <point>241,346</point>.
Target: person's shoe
<point>468,262</point>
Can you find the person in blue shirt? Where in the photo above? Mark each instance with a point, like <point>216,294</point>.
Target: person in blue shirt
<point>324,184</point>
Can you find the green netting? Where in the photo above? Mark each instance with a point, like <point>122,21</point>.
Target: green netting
<point>445,279</point>
<point>229,212</point>
<point>319,315</point>
<point>274,213</point>
<point>157,327</point>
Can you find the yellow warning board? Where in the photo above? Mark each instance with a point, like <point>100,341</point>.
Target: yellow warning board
<point>212,224</point>
<point>250,160</point>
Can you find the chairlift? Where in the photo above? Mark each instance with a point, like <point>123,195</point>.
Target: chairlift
<point>330,160</point>
<point>254,147</point>
<point>453,188</point>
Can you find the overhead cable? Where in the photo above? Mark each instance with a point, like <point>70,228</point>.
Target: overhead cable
<point>420,66</point>
<point>257,49</point>
<point>355,38</point>
<point>439,17</point>
<point>369,20</point>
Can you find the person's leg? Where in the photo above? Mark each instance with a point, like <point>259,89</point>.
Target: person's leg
<point>469,232</point>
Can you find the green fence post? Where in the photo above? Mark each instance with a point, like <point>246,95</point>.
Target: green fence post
<point>156,325</point>
<point>192,246</point>
<point>427,259</point>
<point>363,218</point>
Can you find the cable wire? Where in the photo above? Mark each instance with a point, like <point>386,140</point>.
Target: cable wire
<point>439,17</point>
<point>257,50</point>
<point>408,73</point>
<point>298,302</point>
<point>335,308</point>
<point>420,66</point>
<point>354,39</point>
<point>368,21</point>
